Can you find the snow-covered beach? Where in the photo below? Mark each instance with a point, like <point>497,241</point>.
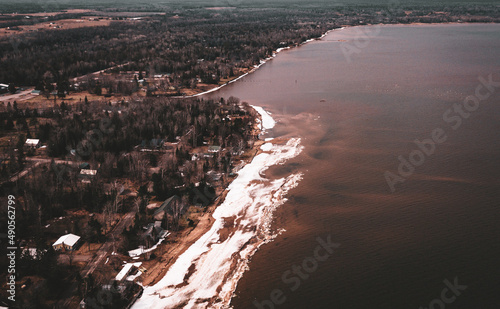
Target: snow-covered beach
<point>207,273</point>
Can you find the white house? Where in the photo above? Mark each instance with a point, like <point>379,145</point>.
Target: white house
<point>214,148</point>
<point>68,242</point>
<point>88,173</point>
<point>33,143</point>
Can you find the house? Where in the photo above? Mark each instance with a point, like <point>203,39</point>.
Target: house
<point>125,271</point>
<point>214,176</point>
<point>85,173</point>
<point>32,143</point>
<point>169,206</point>
<point>213,148</point>
<point>36,92</point>
<point>68,242</point>
<point>153,233</point>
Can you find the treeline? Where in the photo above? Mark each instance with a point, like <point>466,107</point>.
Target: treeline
<point>197,44</point>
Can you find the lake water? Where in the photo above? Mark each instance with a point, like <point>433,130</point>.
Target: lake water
<point>355,117</point>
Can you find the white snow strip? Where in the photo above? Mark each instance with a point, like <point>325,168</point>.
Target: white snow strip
<point>266,147</point>
<point>139,251</point>
<point>203,276</point>
<point>267,121</point>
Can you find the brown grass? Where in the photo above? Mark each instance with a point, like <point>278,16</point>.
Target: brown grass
<point>59,25</point>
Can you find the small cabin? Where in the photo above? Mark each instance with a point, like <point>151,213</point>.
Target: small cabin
<point>32,143</point>
<point>68,242</point>
<point>85,173</point>
<point>214,149</point>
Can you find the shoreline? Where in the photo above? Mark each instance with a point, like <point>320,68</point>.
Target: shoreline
<point>225,292</point>
<point>275,53</point>
<point>238,225</point>
<point>257,66</point>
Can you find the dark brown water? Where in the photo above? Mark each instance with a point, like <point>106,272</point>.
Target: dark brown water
<point>355,118</point>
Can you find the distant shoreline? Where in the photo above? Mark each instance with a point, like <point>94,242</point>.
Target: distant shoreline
<point>275,53</point>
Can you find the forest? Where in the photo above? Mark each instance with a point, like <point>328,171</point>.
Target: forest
<point>195,45</point>
<point>155,146</point>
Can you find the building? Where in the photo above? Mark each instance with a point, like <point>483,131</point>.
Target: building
<point>36,92</point>
<point>213,148</point>
<point>87,173</point>
<point>32,143</point>
<point>153,233</point>
<point>171,205</point>
<point>68,242</point>
<point>125,271</point>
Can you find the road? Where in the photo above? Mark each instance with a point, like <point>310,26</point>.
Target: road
<point>81,78</point>
<point>107,247</point>
<point>100,256</point>
<point>26,94</point>
<point>66,258</point>
<point>38,162</point>
<point>20,96</point>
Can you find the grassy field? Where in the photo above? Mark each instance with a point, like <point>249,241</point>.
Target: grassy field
<point>58,25</point>
<point>42,101</point>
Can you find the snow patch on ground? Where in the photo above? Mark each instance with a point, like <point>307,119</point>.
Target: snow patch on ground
<point>266,147</point>
<point>137,252</point>
<point>267,121</point>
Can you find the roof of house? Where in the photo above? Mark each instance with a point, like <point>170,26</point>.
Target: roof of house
<point>32,141</point>
<point>124,272</point>
<point>166,205</point>
<point>88,172</point>
<point>213,148</point>
<point>68,239</point>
